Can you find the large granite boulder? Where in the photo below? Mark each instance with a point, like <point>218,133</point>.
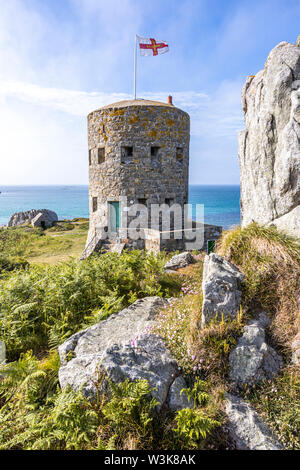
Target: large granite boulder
<point>20,218</point>
<point>221,288</point>
<point>2,352</point>
<point>121,347</point>
<point>296,350</point>
<point>179,261</point>
<point>269,147</point>
<point>44,219</point>
<point>253,360</point>
<point>246,429</point>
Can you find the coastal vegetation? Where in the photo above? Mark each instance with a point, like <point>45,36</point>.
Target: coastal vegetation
<point>42,304</point>
<point>64,240</point>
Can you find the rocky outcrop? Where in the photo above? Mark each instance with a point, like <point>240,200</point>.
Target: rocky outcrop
<point>253,360</point>
<point>2,352</point>
<point>121,347</point>
<point>269,147</point>
<point>20,218</point>
<point>221,288</point>
<point>44,219</point>
<point>296,350</point>
<point>246,429</point>
<point>179,261</point>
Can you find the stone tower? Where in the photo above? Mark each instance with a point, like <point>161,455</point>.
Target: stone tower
<point>138,149</point>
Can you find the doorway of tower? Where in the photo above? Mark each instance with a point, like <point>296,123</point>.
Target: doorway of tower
<point>211,246</point>
<point>114,216</point>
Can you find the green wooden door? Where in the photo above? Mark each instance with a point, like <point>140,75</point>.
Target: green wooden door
<point>211,244</point>
<point>114,215</point>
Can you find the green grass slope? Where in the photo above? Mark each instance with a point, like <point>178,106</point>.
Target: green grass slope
<point>44,302</point>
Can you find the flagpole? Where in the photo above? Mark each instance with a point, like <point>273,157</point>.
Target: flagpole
<point>135,67</point>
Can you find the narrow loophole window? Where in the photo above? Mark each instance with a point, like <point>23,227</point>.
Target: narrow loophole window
<point>142,201</point>
<point>101,155</point>
<point>95,204</point>
<point>169,201</point>
<point>154,151</point>
<point>179,154</point>
<point>126,154</point>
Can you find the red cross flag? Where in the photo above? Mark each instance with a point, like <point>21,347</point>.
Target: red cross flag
<point>152,46</point>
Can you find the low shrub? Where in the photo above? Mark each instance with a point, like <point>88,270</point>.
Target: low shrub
<point>43,305</point>
<point>10,263</point>
<point>278,401</point>
<point>61,227</point>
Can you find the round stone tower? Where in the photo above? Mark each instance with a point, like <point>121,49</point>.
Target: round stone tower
<point>138,149</point>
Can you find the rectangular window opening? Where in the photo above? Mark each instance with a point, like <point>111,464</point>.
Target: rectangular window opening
<point>179,154</point>
<point>211,246</point>
<point>142,201</point>
<point>154,151</point>
<point>155,157</point>
<point>90,157</point>
<point>169,201</point>
<point>101,155</point>
<point>126,154</point>
<point>95,204</point>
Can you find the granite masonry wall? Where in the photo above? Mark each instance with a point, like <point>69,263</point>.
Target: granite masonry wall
<point>138,149</point>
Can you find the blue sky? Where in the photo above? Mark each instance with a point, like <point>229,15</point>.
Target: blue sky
<point>60,59</point>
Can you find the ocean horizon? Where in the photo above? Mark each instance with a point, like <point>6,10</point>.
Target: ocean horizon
<point>221,202</point>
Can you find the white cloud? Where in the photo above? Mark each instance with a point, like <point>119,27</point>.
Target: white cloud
<point>217,115</point>
<point>44,129</point>
<point>50,64</point>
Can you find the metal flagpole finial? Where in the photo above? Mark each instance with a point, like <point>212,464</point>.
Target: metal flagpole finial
<point>135,57</point>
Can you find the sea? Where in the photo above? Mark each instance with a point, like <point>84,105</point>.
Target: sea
<point>221,203</point>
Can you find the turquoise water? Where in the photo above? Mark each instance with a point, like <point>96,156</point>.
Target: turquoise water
<point>221,203</point>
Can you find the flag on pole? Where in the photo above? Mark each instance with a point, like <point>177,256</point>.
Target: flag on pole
<point>152,46</point>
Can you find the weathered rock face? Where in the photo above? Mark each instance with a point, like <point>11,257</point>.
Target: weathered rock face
<point>20,218</point>
<point>269,147</point>
<point>246,428</point>
<point>296,350</point>
<point>44,219</point>
<point>179,261</point>
<point>253,360</point>
<point>121,347</point>
<point>221,288</point>
<point>2,351</point>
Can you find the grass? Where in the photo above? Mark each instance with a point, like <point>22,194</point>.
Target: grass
<point>44,303</point>
<point>52,246</point>
<point>278,401</point>
<point>271,262</point>
<point>41,305</point>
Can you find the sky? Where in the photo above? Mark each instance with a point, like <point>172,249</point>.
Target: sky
<point>61,59</point>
